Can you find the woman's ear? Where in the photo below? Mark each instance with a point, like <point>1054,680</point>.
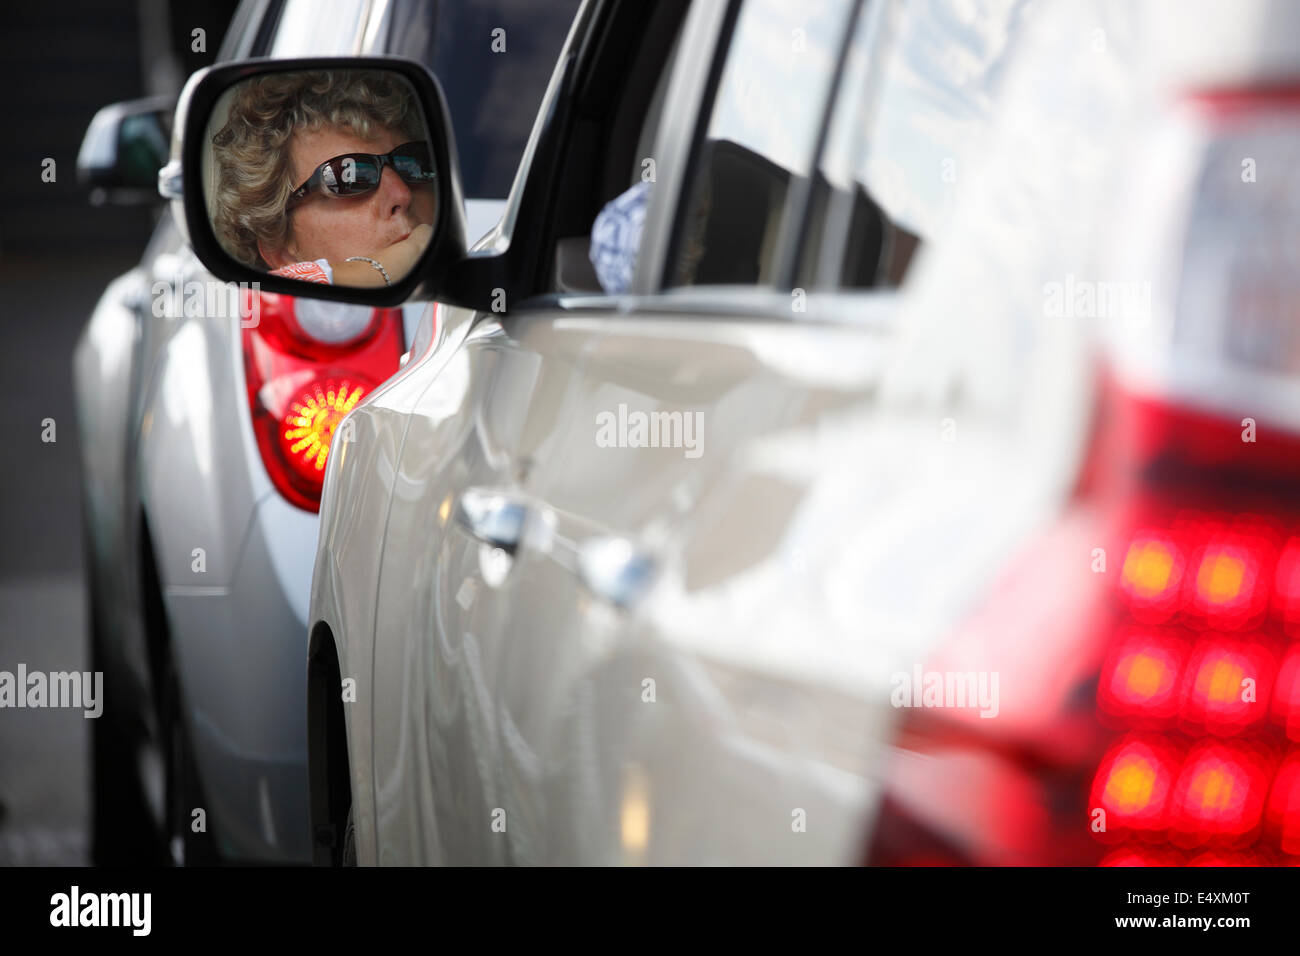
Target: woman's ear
<point>276,257</point>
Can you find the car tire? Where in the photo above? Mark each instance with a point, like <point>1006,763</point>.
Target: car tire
<point>184,846</point>
<point>122,831</point>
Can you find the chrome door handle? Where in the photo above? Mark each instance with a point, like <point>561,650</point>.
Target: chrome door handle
<point>615,570</point>
<point>611,568</point>
<point>492,517</point>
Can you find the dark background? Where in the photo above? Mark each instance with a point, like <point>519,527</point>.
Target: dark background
<point>60,62</point>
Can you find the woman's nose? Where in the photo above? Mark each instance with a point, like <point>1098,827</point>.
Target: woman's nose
<point>394,194</point>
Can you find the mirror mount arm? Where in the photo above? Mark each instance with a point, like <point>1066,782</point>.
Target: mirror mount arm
<point>170,182</point>
<point>479,281</point>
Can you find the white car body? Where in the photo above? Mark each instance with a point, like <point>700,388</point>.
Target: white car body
<point>885,482</point>
<point>198,566</point>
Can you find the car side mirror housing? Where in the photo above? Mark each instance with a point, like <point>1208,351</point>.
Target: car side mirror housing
<point>124,147</point>
<point>328,177</point>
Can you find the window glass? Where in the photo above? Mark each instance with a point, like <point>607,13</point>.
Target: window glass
<point>493,59</point>
<point>760,138</point>
<point>311,28</point>
<point>914,100</point>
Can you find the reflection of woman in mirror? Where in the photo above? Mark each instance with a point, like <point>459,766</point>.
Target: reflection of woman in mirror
<point>325,176</point>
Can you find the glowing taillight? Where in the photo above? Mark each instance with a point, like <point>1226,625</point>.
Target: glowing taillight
<point>308,428</point>
<point>306,369</point>
<point>1226,686</point>
<point>1220,793</point>
<point>1207,414</point>
<point>1286,593</point>
<point>1152,576</point>
<point>1283,813</point>
<point>1231,588</point>
<point>1196,764</point>
<point>1192,740</point>
<point>1133,783</point>
<point>1286,694</point>
<point>1140,679</point>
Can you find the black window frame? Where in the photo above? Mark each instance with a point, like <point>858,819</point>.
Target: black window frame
<point>545,217</point>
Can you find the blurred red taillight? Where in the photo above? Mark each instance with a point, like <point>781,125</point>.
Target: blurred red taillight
<point>1198,757</point>
<point>1152,576</point>
<point>1283,813</point>
<point>1286,694</point>
<point>305,372</point>
<point>1190,737</point>
<point>1195,714</point>
<point>1226,685</point>
<point>1219,796</point>
<point>1133,785</point>
<point>1139,681</point>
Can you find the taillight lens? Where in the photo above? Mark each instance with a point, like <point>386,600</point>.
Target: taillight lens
<point>1185,698</point>
<point>1134,782</point>
<point>1198,755</point>
<point>1175,739</point>
<point>308,364</point>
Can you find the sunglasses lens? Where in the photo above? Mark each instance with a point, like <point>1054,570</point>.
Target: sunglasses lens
<point>413,163</point>
<point>350,175</point>
<point>358,173</point>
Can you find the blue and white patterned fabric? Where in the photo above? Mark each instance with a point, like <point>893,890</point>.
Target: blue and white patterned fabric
<point>616,236</point>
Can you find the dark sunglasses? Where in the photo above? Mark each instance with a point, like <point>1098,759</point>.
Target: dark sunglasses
<point>354,174</point>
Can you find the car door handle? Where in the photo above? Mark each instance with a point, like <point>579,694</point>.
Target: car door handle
<point>614,570</point>
<point>495,518</point>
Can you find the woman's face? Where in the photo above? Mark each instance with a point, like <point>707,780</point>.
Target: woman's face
<point>333,227</point>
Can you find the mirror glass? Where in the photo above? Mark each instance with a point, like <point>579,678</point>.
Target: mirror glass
<point>322,176</point>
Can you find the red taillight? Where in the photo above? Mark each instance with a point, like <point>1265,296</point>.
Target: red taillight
<point>1140,679</point>
<point>1220,792</point>
<point>1286,592</point>
<point>1133,785</point>
<point>1188,752</point>
<point>1152,576</point>
<point>1231,589</point>
<point>1186,749</point>
<point>1226,686</point>
<point>1192,696</point>
<point>308,429</point>
<point>1286,694</point>
<point>1283,813</point>
<point>300,386</point>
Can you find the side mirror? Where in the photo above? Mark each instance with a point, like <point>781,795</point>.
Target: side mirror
<point>123,149</point>
<point>333,178</point>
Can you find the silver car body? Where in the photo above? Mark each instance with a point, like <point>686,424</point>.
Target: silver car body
<point>870,471</point>
<point>530,703</point>
<point>168,451</point>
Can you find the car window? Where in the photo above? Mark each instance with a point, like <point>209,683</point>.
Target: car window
<point>493,59</point>
<point>311,28</point>
<point>761,136</point>
<point>606,178</point>
<point>247,26</point>
<point>913,99</point>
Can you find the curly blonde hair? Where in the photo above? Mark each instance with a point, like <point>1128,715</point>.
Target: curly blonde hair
<point>251,152</point>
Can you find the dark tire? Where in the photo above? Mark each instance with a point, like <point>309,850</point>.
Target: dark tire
<point>184,791</point>
<point>349,842</point>
<point>122,831</point>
